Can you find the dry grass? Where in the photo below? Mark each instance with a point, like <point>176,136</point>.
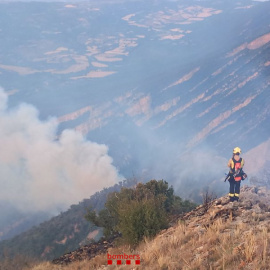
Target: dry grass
<point>222,245</point>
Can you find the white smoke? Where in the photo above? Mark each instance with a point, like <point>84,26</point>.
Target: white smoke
<point>42,172</point>
<point>200,170</point>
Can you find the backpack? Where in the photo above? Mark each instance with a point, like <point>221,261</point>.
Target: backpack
<point>237,168</point>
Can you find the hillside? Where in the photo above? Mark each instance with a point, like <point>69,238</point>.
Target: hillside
<point>62,233</point>
<point>220,235</point>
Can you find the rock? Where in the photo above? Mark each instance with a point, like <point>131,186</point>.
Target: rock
<point>218,202</point>
<point>246,204</point>
<point>87,251</point>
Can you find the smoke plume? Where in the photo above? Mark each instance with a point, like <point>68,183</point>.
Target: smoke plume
<point>44,171</point>
<point>198,171</point>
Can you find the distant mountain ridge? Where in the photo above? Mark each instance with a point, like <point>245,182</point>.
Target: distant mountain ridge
<point>16,223</point>
<point>214,75</point>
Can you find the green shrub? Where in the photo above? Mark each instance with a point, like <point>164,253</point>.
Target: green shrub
<point>139,212</point>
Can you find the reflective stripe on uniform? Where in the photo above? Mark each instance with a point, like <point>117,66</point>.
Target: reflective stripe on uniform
<point>231,194</point>
<point>236,194</point>
<point>231,164</point>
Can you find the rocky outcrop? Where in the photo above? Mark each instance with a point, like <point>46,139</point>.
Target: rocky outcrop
<point>253,201</point>
<point>87,251</point>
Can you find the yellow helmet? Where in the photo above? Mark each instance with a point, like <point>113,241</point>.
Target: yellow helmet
<point>237,150</point>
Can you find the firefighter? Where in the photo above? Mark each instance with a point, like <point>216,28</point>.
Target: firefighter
<point>236,164</point>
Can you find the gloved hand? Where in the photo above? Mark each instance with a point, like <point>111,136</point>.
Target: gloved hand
<point>244,176</point>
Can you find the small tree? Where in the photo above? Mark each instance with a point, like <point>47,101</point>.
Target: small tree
<point>207,198</point>
<point>139,212</point>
